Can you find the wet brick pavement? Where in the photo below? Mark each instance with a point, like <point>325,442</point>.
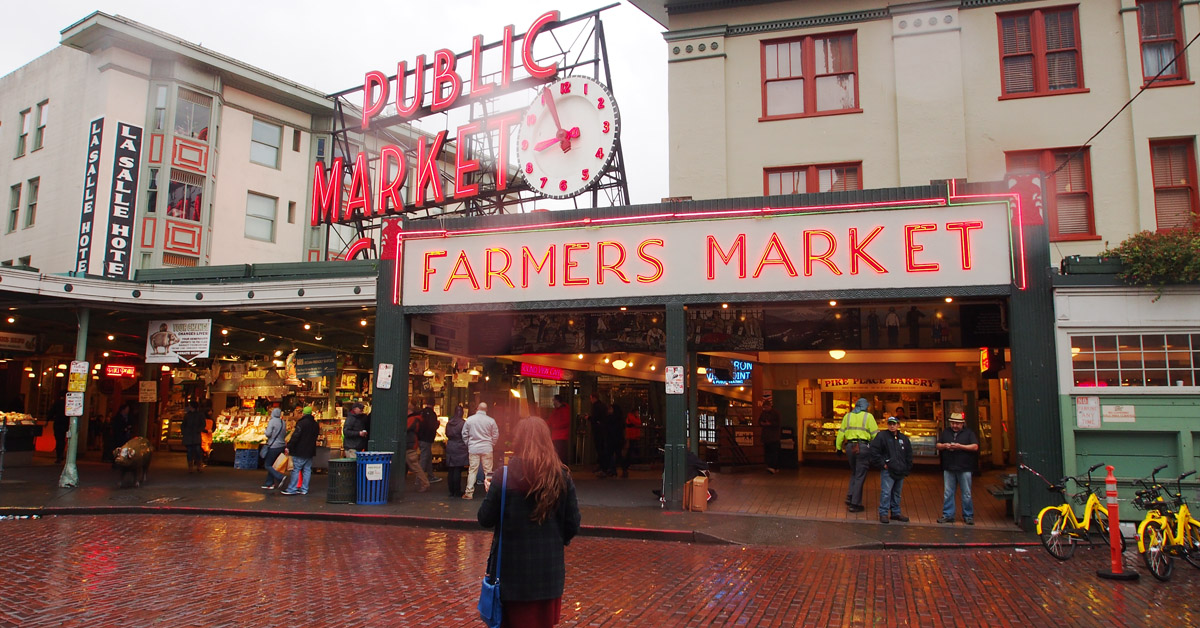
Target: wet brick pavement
<point>184,570</point>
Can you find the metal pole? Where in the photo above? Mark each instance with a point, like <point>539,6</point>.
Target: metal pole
<point>70,474</point>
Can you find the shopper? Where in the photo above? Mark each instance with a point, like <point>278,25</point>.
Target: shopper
<point>614,439</point>
<point>302,447</point>
<point>892,452</point>
<point>412,455</point>
<point>597,420</point>
<point>959,449</point>
<point>276,443</point>
<point>857,430</point>
<point>120,429</point>
<point>456,452</point>
<point>191,430</point>
<point>540,518</point>
<point>61,424</point>
<point>481,435</point>
<point>769,421</point>
<point>354,431</point>
<point>633,440</point>
<point>425,435</point>
<point>560,426</point>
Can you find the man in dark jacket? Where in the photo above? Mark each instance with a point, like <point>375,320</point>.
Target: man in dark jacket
<point>893,451</point>
<point>191,430</point>
<point>354,431</point>
<point>598,419</point>
<point>62,424</point>
<point>302,447</point>
<point>426,432</point>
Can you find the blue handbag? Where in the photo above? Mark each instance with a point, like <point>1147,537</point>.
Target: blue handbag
<point>489,595</point>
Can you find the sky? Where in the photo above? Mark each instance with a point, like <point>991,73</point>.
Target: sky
<point>329,46</point>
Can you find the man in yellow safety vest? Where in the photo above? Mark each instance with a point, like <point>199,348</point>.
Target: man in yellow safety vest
<point>857,430</point>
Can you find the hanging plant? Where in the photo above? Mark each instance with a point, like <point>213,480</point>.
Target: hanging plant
<point>1160,258</point>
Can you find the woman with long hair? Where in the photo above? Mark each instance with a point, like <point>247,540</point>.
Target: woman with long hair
<point>541,517</point>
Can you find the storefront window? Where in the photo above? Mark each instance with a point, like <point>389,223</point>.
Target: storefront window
<point>1136,360</point>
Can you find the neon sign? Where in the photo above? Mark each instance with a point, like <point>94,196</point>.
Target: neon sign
<point>120,370</point>
<point>541,372</point>
<point>738,375</point>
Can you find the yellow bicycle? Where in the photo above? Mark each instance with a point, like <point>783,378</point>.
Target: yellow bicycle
<point>1058,528</point>
<point>1165,533</point>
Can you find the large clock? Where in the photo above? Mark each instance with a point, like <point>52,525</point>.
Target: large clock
<point>567,136</point>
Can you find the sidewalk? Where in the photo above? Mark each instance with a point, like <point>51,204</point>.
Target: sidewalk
<point>793,509</point>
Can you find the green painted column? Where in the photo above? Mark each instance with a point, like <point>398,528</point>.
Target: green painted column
<point>389,407</point>
<point>674,473</point>
<point>1035,377</point>
<point>70,473</point>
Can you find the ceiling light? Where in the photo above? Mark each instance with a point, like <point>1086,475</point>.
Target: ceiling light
<point>262,338</point>
<point>32,375</point>
<point>653,367</point>
<point>110,337</point>
<point>224,332</point>
<point>474,372</point>
<point>487,378</point>
<point>106,354</point>
<point>62,367</point>
<point>700,370</point>
<point>29,368</point>
<point>278,352</point>
<point>363,322</point>
<point>619,364</point>
<point>606,359</point>
<point>949,299</point>
<point>579,357</point>
<point>12,319</point>
<point>623,308</point>
<point>837,354</point>
<point>307,326</point>
<point>277,363</point>
<point>724,306</point>
<point>570,321</point>
<point>318,336</point>
<point>428,373</point>
<point>515,393</point>
<point>742,388</point>
<point>166,369</point>
<point>58,374</point>
<point>833,304</point>
<point>364,344</point>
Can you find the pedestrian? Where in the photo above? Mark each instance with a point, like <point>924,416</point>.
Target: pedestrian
<point>597,420</point>
<point>540,517</point>
<point>560,426</point>
<point>857,430</point>
<point>120,429</point>
<point>892,452</point>
<point>354,431</point>
<point>302,447</point>
<point>614,439</point>
<point>959,449</point>
<point>481,435</point>
<point>633,440</point>
<point>456,452</point>
<point>62,424</point>
<point>426,432</point>
<point>191,430</point>
<point>412,455</point>
<point>276,443</point>
<point>769,421</point>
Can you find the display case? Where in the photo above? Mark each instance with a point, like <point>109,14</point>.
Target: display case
<point>820,435</point>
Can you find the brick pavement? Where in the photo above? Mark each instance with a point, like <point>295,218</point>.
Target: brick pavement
<point>183,571</point>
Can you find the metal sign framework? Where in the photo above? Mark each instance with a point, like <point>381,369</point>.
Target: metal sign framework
<point>586,54</point>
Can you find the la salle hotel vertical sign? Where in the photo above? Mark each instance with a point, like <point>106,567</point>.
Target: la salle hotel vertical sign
<point>87,213</point>
<point>123,202</point>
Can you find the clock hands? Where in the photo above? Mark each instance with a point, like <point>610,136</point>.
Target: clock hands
<point>562,136</point>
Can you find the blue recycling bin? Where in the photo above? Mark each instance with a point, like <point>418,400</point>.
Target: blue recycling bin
<point>374,468</point>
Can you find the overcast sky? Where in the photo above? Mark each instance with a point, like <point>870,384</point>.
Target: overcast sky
<point>308,42</point>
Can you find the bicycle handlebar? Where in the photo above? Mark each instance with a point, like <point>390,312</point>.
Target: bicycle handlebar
<point>1094,467</point>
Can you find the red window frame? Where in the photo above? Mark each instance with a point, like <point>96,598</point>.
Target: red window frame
<point>1189,178</point>
<point>809,75</point>
<point>1038,52</point>
<point>812,176</point>
<point>1180,74</point>
<point>1047,160</point>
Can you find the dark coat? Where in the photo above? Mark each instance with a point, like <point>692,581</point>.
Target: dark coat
<point>303,443</point>
<point>894,451</point>
<point>192,427</point>
<point>456,447</point>
<point>534,561</point>
<point>354,424</point>
<point>427,430</point>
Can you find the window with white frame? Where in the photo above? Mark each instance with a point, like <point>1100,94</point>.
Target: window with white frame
<point>813,75</point>
<point>23,137</point>
<point>31,200</point>
<point>39,134</point>
<point>160,107</point>
<point>264,143</point>
<point>1155,359</point>
<point>192,114</point>
<point>14,207</point>
<point>260,217</point>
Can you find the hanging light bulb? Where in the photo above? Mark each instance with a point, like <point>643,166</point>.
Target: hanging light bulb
<point>619,364</point>
<point>474,372</point>
<point>428,373</point>
<point>837,354</point>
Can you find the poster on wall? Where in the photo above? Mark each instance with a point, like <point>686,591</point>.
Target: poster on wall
<point>122,209</point>
<point>627,331</point>
<point>18,342</point>
<point>87,213</point>
<point>174,341</point>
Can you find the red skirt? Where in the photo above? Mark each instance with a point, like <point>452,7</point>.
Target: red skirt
<point>534,614</point>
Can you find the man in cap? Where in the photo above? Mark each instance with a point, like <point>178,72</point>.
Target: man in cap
<point>960,453</point>
<point>892,451</point>
<point>354,431</point>
<point>857,430</point>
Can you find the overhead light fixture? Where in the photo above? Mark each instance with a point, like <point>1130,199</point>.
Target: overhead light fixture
<point>949,299</point>
<point>319,336</point>
<point>32,375</point>
<point>623,308</point>
<point>58,374</point>
<point>224,332</point>
<point>428,373</point>
<point>570,321</point>
<point>619,364</point>
<point>515,393</point>
<point>166,369</point>
<point>837,354</point>
<point>62,367</point>
<point>700,370</point>
<point>106,353</point>
<point>474,372</point>
<point>277,363</point>
<point>653,367</point>
<point>724,306</point>
<point>606,360</point>
<point>12,319</point>
<point>833,304</point>
<point>742,388</point>
<point>363,322</point>
<point>365,344</point>
<point>307,326</point>
<point>278,352</point>
<point>29,368</point>
<point>579,357</point>
<point>111,337</point>
<point>262,338</point>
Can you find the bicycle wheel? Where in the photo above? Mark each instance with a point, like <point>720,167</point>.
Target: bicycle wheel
<point>1157,561</point>
<point>1191,544</point>
<point>1100,529</point>
<point>1054,536</point>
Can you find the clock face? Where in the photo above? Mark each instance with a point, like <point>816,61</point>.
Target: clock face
<point>567,136</point>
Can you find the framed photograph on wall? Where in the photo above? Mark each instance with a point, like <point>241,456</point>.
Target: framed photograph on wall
<point>808,396</point>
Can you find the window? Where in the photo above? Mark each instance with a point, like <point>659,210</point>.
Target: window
<point>1161,32</point>
<point>160,107</point>
<point>1173,166</point>
<point>192,113</point>
<point>264,143</point>
<point>810,76</point>
<point>1163,359</point>
<point>31,198</point>
<point>6,262</point>
<point>815,178</point>
<point>24,136</point>
<point>43,110</point>
<point>1039,52</point>
<point>184,195</point>
<point>295,140</point>
<point>14,207</point>
<point>291,212</point>
<point>1068,198</point>
<point>152,192</point>
<point>260,217</point>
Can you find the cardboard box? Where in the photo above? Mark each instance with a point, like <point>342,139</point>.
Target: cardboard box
<point>695,494</point>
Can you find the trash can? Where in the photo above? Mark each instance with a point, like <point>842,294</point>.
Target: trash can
<point>374,467</point>
<point>342,483</point>
<point>245,459</point>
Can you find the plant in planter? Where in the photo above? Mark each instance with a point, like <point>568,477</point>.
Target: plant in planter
<point>1160,258</point>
